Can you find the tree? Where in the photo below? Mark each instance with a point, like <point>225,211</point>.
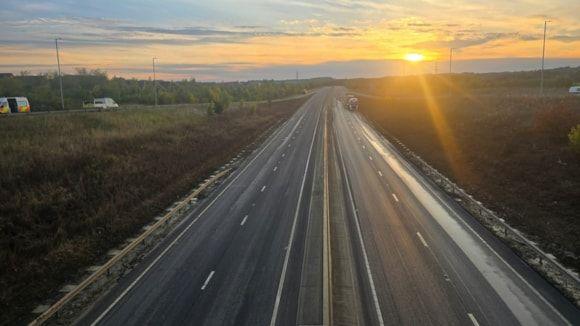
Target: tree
<point>220,99</point>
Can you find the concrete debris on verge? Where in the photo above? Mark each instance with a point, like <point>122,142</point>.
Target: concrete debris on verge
<point>92,269</point>
<point>113,252</point>
<point>40,309</point>
<point>67,288</point>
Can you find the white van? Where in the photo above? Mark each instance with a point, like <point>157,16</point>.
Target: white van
<point>14,105</point>
<point>101,103</point>
<point>574,90</point>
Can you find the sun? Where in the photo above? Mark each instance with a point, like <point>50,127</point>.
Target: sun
<point>414,57</point>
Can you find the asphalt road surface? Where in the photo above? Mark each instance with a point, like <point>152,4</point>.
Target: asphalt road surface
<point>325,223</point>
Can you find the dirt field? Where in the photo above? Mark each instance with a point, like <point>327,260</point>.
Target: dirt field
<point>508,149</point>
<point>74,186</point>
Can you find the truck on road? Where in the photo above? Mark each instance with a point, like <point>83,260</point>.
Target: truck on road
<point>352,103</point>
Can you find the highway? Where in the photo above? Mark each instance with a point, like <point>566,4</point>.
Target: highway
<point>238,258</point>
<point>324,223</point>
<point>428,262</point>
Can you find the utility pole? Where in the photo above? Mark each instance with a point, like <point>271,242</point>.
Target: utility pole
<point>59,73</point>
<point>543,56</point>
<point>450,69</point>
<point>450,59</point>
<point>154,82</point>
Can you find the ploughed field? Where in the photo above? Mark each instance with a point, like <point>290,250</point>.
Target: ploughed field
<point>74,186</point>
<point>509,150</point>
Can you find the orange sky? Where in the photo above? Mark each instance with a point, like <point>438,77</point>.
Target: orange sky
<point>339,31</point>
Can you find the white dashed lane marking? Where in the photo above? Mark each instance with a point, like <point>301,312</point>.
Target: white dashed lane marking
<point>207,280</point>
<point>422,239</point>
<point>473,320</point>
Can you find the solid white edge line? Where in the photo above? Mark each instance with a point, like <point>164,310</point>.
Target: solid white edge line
<point>359,232</point>
<point>291,239</point>
<point>130,287</point>
<point>422,239</point>
<point>244,220</point>
<point>473,320</point>
<point>207,280</point>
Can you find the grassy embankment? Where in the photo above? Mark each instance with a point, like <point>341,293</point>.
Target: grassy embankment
<point>509,150</point>
<point>73,186</point>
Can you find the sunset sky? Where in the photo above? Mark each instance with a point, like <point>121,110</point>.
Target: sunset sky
<point>240,40</point>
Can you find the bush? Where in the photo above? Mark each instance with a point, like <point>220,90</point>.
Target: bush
<point>574,137</point>
<point>554,122</point>
<point>252,108</point>
<point>220,100</point>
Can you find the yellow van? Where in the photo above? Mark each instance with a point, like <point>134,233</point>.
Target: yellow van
<point>14,105</point>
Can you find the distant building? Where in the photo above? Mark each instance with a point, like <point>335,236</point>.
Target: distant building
<point>6,75</point>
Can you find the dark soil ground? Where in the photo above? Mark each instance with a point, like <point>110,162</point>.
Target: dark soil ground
<point>74,186</point>
<point>508,149</point>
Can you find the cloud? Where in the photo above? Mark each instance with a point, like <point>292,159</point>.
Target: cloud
<point>566,38</point>
<point>105,32</point>
<point>278,32</point>
<point>43,7</point>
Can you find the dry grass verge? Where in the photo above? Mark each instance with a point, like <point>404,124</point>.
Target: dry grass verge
<point>74,186</point>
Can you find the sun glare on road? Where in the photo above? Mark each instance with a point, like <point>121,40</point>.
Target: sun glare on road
<point>414,57</point>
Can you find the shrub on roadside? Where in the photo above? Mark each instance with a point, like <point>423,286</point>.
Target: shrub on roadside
<point>220,100</point>
<point>554,122</point>
<point>574,138</point>
<point>252,108</point>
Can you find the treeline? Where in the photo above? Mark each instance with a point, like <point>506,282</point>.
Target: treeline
<point>43,91</point>
<point>44,94</point>
<point>559,78</point>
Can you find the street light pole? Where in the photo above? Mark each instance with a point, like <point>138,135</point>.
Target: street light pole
<point>59,73</point>
<point>543,57</point>
<point>154,82</point>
